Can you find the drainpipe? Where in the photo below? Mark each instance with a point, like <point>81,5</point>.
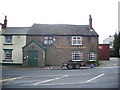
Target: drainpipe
<point>97,52</point>
<point>44,57</point>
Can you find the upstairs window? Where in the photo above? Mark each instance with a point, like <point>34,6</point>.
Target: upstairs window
<point>8,39</point>
<point>76,40</point>
<point>48,40</point>
<point>92,56</point>
<point>76,56</point>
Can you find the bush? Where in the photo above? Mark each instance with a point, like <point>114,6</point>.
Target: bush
<point>91,62</point>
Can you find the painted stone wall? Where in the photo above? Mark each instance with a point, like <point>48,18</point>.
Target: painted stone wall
<point>17,54</point>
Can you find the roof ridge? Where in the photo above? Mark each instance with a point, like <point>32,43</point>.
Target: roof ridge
<point>61,24</point>
<point>18,27</point>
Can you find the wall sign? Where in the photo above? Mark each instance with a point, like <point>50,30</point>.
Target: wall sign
<point>62,47</point>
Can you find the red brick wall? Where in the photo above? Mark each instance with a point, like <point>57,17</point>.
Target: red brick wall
<point>104,52</point>
<point>56,56</point>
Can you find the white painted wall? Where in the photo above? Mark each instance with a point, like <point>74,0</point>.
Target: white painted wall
<point>1,49</point>
<point>17,54</point>
<point>109,40</point>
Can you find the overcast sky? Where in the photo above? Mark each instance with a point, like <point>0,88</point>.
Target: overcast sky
<point>23,13</point>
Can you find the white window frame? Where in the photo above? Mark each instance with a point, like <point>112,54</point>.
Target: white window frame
<point>76,40</point>
<point>92,56</point>
<point>8,39</point>
<point>48,40</point>
<point>78,53</point>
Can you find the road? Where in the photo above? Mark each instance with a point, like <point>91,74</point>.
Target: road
<point>98,77</point>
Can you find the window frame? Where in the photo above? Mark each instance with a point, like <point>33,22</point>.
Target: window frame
<point>76,40</point>
<point>78,53</point>
<point>8,39</point>
<point>10,56</point>
<point>92,56</point>
<point>48,40</point>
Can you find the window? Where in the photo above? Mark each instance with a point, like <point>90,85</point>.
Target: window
<point>111,44</point>
<point>92,56</point>
<point>8,39</point>
<point>76,56</point>
<point>8,54</point>
<point>76,40</point>
<point>48,40</point>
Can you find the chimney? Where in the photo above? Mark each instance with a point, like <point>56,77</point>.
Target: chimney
<point>5,22</point>
<point>4,26</point>
<point>90,22</point>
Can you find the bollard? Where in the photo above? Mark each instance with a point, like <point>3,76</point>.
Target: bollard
<point>91,65</point>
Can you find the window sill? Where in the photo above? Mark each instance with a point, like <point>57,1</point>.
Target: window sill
<point>92,60</point>
<point>8,44</point>
<point>7,60</point>
<point>76,60</point>
<point>76,45</point>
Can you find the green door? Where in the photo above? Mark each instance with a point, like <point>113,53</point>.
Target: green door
<point>33,59</point>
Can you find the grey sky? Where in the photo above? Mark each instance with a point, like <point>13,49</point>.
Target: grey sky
<point>23,13</point>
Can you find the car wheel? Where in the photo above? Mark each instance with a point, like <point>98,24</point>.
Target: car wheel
<point>69,66</point>
<point>77,66</point>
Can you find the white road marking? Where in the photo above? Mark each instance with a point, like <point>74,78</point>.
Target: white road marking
<point>95,77</point>
<point>49,80</point>
<point>73,82</point>
<point>11,79</point>
<point>67,83</point>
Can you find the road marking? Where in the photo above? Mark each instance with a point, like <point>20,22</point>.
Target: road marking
<point>11,79</point>
<point>42,83</point>
<point>95,77</point>
<point>49,80</point>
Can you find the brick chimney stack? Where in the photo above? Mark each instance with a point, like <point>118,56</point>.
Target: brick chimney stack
<point>4,26</point>
<point>90,22</point>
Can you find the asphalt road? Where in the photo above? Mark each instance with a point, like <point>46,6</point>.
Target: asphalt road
<point>98,77</point>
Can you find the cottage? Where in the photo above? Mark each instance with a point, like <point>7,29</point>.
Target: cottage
<point>12,39</point>
<point>109,40</point>
<point>53,44</point>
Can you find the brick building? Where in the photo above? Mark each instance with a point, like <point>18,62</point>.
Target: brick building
<point>53,44</point>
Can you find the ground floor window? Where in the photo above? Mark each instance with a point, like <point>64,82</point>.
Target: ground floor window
<point>92,56</point>
<point>76,56</point>
<point>8,54</point>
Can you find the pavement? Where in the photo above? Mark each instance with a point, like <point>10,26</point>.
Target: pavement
<point>109,63</point>
<point>103,63</point>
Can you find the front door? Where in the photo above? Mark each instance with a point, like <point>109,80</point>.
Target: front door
<point>33,59</point>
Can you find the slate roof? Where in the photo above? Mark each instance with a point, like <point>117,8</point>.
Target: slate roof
<point>60,29</point>
<point>16,31</point>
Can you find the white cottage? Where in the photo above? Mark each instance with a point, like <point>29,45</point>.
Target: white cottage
<point>12,39</point>
<point>109,40</point>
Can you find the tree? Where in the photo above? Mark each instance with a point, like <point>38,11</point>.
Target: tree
<point>116,44</point>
